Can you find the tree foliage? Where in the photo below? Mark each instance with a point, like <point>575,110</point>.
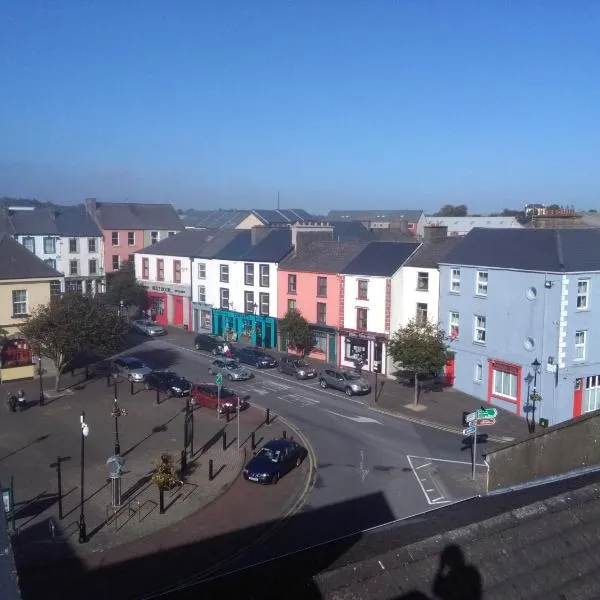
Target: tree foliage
<point>420,348</point>
<point>122,285</point>
<point>450,210</point>
<point>297,330</point>
<point>164,476</point>
<point>71,325</point>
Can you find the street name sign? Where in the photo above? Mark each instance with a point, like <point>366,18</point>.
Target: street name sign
<point>469,430</point>
<point>485,422</point>
<point>487,413</point>
<point>471,417</point>
<point>219,379</point>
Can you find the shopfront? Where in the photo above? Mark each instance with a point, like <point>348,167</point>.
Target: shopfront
<point>202,317</point>
<point>258,330</point>
<point>325,344</point>
<point>370,347</point>
<point>169,304</point>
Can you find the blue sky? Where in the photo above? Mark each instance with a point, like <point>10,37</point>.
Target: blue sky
<point>333,103</point>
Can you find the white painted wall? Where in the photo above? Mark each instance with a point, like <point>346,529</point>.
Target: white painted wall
<point>405,296</point>
<point>375,303</point>
<point>168,262</point>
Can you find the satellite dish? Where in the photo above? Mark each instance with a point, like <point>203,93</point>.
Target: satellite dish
<point>115,465</point>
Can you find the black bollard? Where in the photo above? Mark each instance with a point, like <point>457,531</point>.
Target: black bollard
<point>284,434</point>
<point>183,461</point>
<point>161,501</point>
<point>157,397</point>
<point>108,380</point>
<point>268,420</point>
<point>210,469</point>
<point>224,440</point>
<point>253,440</point>
<point>227,415</point>
<point>131,387</point>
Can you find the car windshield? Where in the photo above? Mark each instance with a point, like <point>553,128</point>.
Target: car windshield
<point>301,364</point>
<point>232,365</point>
<point>351,376</point>
<point>226,393</point>
<point>270,454</point>
<point>134,364</point>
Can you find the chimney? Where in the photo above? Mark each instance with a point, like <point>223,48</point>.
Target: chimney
<point>90,205</point>
<point>308,232</point>
<point>258,234</point>
<point>400,224</point>
<point>432,233</point>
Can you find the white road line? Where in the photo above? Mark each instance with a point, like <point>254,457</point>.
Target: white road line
<point>430,490</point>
<point>421,466</point>
<point>418,480</point>
<point>456,462</point>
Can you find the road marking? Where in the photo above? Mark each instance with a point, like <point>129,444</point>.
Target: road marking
<point>297,399</point>
<point>425,465</point>
<point>355,419</point>
<point>361,467</point>
<point>445,460</point>
<point>440,498</point>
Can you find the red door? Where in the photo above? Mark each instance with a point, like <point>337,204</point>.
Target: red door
<point>177,310</point>
<point>449,372</point>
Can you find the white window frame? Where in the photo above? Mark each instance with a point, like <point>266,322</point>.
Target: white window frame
<point>422,281</point>
<point>503,377</point>
<point>421,309</point>
<point>19,302</point>
<point>201,293</point>
<point>262,297</point>
<point>478,372</point>
<point>292,301</point>
<point>249,302</point>
<point>112,262</point>
<point>92,245</point>
<point>51,262</point>
<point>583,297</point>
<point>481,283</point>
<point>453,322</point>
<point>112,239</point>
<point>29,243</point>
<point>249,274</point>
<point>580,345</point>
<point>202,270</point>
<point>72,262</point>
<point>131,235</point>
<point>223,273</point>
<point>73,242</point>
<point>94,262</point>
<point>264,275</point>
<point>478,327</point>
<point>154,237</point>
<point>52,242</point>
<point>222,293</point>
<point>455,281</point>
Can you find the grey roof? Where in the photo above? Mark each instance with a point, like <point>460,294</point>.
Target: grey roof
<point>222,219</point>
<point>381,259</point>
<point>430,254</point>
<point>460,224</point>
<point>129,215</point>
<point>281,216</point>
<point>323,257</point>
<point>189,242</point>
<point>273,248</point>
<point>392,234</point>
<point>344,231</point>
<point>410,215</point>
<point>19,263</point>
<point>545,250</point>
<point>231,218</point>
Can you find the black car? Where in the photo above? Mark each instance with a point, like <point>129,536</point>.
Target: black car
<point>292,365</point>
<point>209,342</point>
<point>274,460</point>
<point>256,357</point>
<point>169,382</point>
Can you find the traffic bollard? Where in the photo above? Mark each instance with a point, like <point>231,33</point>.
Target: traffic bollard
<point>253,440</point>
<point>210,469</point>
<point>161,501</point>
<point>108,380</point>
<point>284,434</point>
<point>157,397</point>
<point>131,387</point>
<point>227,415</point>
<point>224,440</point>
<point>183,461</point>
<point>268,420</point>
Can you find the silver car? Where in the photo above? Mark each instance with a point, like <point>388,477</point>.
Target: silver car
<point>229,369</point>
<point>149,328</point>
<point>349,383</point>
<point>131,367</point>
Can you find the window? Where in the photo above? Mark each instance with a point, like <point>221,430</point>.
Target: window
<point>73,245</point>
<point>145,268</point>
<point>74,285</point>
<point>51,263</point>
<point>481,283</point>
<point>361,318</point>
<point>453,324</point>
<point>421,313</point>
<point>131,238</point>
<point>131,258</point>
<point>116,262</point>
<point>201,293</point>
<point>55,289</point>
<point>160,269</point>
<point>321,313</point>
<point>591,395</point>
<point>115,238</point>
<point>249,302</point>
<point>322,287</point>
<point>153,237</point>
<point>422,281</point>
<point>248,274</point>
<point>177,271</point>
<point>292,284</point>
<point>29,243</point>
<point>264,276</point>
<point>201,270</point>
<point>92,246</point>
<point>224,274</point>
<point>583,290</point>
<point>363,289</point>
<point>580,343</point>
<point>455,280</point>
<point>320,342</point>
<point>49,245</point>
<point>478,372</point>
<point>291,304</point>
<point>505,384</point>
<point>171,233</point>
<point>264,303</point>
<point>225,298</point>
<point>92,266</point>
<point>19,299</point>
<point>73,267</point>
<point>479,327</point>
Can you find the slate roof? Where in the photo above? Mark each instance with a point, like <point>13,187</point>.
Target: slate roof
<point>545,250</point>
<point>381,259</point>
<point>344,231</point>
<point>430,254</point>
<point>19,263</point>
<point>282,216</point>
<point>273,248</point>
<point>66,221</point>
<point>323,257</point>
<point>231,218</point>
<point>461,224</point>
<point>410,215</point>
<point>189,242</point>
<point>130,215</point>
<point>392,234</point>
<point>222,219</point>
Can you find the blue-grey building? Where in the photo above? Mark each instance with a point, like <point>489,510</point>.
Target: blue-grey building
<point>510,299</point>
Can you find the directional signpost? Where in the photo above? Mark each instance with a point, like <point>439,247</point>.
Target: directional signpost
<point>479,418</point>
<point>469,430</point>
<point>219,382</point>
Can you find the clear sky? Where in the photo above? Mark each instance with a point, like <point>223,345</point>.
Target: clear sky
<point>333,103</point>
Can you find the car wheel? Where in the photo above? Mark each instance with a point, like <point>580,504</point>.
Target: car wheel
<point>298,461</point>
<point>323,383</point>
<point>230,377</point>
<point>275,478</point>
<point>348,392</point>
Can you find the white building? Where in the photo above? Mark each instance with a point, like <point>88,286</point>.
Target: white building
<point>367,303</point>
<point>462,225</point>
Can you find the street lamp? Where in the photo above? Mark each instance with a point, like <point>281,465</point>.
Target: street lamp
<point>85,430</point>
<point>535,365</point>
<point>117,412</point>
<point>40,376</point>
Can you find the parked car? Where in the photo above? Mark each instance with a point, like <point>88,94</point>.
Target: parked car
<point>148,328</point>
<point>274,460</point>
<point>206,394</point>
<point>292,365</point>
<point>349,383</point>
<point>169,382</point>
<point>256,357</point>
<point>209,342</point>
<point>230,369</point>
<point>131,367</point>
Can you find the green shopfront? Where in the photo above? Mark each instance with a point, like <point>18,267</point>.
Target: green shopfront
<point>258,330</point>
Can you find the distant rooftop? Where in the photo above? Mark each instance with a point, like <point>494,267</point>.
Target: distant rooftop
<point>410,215</point>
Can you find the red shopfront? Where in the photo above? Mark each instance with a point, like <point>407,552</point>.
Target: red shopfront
<point>157,304</point>
<point>169,305</point>
<point>505,385</point>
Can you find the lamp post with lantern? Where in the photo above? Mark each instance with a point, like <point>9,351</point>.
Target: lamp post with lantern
<point>85,430</point>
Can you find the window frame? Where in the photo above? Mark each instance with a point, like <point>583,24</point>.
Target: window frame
<point>202,271</point>
<point>201,289</point>
<point>160,269</point>
<point>223,273</point>
<point>93,271</point>
<point>115,236</point>
<point>29,239</point>
<point>481,283</point>
<point>92,245</point>
<point>320,280</point>
<point>73,245</point>
<point>71,262</point>
<point>502,394</point>
<point>362,289</point>
<point>154,237</point>
<point>118,262</point>
<point>249,274</point>
<point>583,295</point>
<point>453,323</point>
<point>419,307</point>
<point>16,302</point>
<point>264,272</point>
<point>52,240</point>
<point>580,345</point>
<point>364,312</point>
<point>145,268</point>
<point>249,302</point>
<point>478,372</point>
<point>261,302</point>
<point>224,291</point>
<point>477,327</point>
<point>322,306</point>
<point>292,308</point>
<point>176,271</point>
<point>422,276</point>
<point>292,289</point>
<point>455,280</point>
<point>131,238</point>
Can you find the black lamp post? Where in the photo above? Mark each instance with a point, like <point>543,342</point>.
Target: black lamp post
<point>536,369</point>
<point>41,382</point>
<point>117,412</point>
<point>84,433</point>
<point>535,365</point>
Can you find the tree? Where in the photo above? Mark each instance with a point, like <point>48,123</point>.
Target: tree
<point>71,325</point>
<point>297,330</point>
<point>449,210</point>
<point>553,207</point>
<point>122,285</point>
<point>420,348</point>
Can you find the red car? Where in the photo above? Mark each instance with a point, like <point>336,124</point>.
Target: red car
<point>205,394</point>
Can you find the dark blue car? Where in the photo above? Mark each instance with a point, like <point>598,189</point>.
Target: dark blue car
<point>256,357</point>
<point>274,460</point>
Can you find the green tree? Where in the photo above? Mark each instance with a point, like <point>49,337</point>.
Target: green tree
<point>420,348</point>
<point>298,332</point>
<point>553,207</point>
<point>122,285</point>
<point>450,210</point>
<point>72,325</point>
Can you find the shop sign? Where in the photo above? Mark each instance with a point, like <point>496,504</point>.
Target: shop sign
<point>167,289</point>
